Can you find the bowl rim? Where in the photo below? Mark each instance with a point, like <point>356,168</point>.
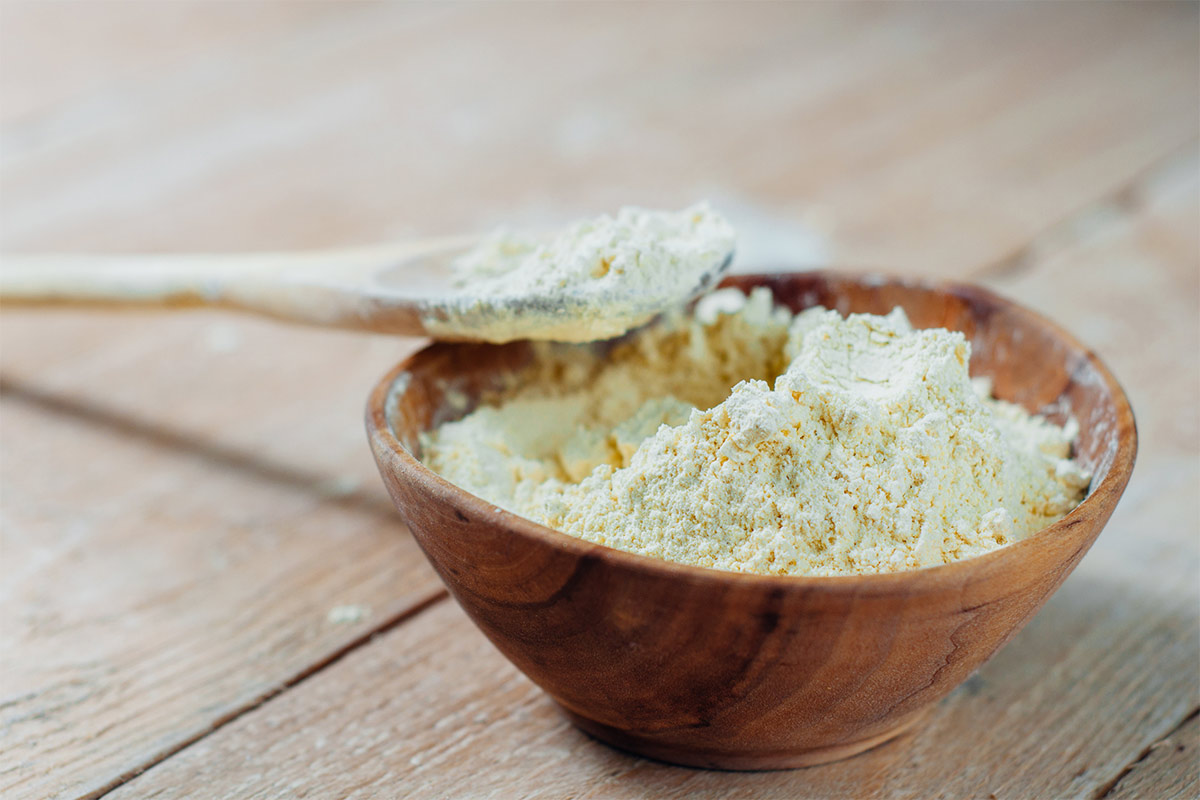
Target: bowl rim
<point>1102,498</point>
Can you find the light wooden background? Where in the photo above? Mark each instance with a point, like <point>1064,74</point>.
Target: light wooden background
<point>185,498</point>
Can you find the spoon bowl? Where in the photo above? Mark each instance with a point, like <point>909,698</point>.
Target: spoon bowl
<point>557,317</point>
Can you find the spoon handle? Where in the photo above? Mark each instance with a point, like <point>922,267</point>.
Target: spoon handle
<point>338,288</point>
<point>126,280</point>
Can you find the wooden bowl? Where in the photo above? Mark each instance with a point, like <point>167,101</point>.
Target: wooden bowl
<point>720,669</point>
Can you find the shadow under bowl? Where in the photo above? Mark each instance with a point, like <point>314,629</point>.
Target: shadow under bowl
<point>739,671</point>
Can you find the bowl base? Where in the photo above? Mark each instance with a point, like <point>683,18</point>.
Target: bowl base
<point>736,759</point>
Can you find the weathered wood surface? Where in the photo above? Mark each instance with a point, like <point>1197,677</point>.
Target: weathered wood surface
<point>185,499</point>
<point>1103,673</point>
<point>923,138</point>
<point>172,558</point>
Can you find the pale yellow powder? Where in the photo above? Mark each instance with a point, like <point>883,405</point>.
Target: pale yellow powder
<point>872,451</point>
<point>595,280</point>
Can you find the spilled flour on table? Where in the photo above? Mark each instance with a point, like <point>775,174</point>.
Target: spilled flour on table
<point>747,438</point>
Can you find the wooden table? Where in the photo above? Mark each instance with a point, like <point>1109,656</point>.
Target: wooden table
<point>205,590</point>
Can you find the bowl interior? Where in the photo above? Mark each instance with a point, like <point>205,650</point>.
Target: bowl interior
<point>1031,361</point>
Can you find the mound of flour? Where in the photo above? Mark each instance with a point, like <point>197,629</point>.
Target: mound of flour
<point>872,450</point>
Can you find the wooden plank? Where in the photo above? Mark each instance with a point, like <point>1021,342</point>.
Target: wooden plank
<point>101,42</point>
<point>182,512</point>
<point>438,713</point>
<point>1169,770</point>
<point>927,138</point>
<point>1106,670</point>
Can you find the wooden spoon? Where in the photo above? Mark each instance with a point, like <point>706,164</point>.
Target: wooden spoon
<point>400,289</point>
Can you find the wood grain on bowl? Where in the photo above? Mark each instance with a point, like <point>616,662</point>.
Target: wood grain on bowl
<point>709,668</point>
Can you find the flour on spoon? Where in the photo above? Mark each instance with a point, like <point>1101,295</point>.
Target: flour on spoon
<point>597,279</point>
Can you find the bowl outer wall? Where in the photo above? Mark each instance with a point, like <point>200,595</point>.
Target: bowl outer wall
<point>725,669</point>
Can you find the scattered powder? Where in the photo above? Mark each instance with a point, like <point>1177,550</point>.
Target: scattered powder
<point>873,450</point>
<point>348,614</point>
<point>222,337</point>
<point>596,280</point>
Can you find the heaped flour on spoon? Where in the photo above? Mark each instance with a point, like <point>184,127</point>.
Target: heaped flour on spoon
<point>594,280</point>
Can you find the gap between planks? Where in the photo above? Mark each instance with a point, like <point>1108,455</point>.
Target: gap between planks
<point>1110,786</point>
<point>1123,201</point>
<point>328,660</point>
<point>134,428</point>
